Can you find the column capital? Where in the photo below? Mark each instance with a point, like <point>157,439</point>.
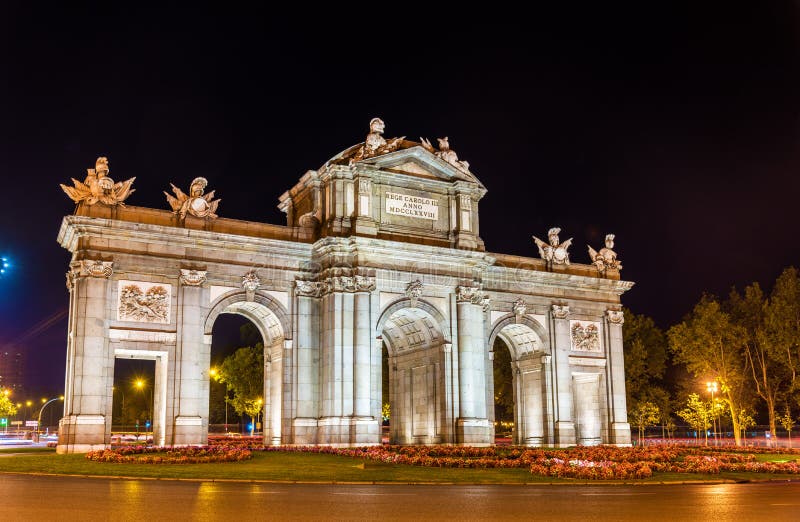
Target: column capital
<point>309,288</point>
<point>615,316</point>
<point>560,311</point>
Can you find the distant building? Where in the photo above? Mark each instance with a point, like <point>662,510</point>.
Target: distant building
<point>11,367</point>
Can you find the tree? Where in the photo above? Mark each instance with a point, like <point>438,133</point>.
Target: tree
<point>503,382</point>
<point>769,376</point>
<point>243,374</point>
<point>7,408</point>
<point>697,414</point>
<point>712,346</point>
<point>645,414</point>
<point>788,423</point>
<point>783,322</point>
<point>746,420</point>
<point>645,357</point>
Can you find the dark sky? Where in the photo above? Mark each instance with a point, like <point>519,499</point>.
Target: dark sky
<point>674,127</point>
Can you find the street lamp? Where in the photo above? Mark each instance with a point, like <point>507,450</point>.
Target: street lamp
<point>140,385</point>
<point>215,374</point>
<point>711,387</point>
<point>46,402</point>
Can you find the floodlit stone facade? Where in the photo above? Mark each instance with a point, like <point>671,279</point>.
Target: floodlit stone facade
<point>381,248</point>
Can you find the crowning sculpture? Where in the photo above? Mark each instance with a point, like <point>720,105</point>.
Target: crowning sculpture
<point>98,187</point>
<point>196,203</point>
<point>554,252</point>
<point>445,153</point>
<point>606,258</point>
<point>375,144</point>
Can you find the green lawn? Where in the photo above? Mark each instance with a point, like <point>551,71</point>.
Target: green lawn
<point>304,467</point>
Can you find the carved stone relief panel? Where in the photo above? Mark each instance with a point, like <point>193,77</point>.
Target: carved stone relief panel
<point>143,302</point>
<point>585,336</point>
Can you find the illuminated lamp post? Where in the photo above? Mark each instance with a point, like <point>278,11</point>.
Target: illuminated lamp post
<point>214,374</point>
<point>140,385</point>
<point>712,388</point>
<point>46,402</point>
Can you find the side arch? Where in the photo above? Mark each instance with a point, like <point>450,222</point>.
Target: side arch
<point>258,310</point>
<point>511,319</point>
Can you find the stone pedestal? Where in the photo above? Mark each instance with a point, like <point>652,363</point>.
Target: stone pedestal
<point>81,433</point>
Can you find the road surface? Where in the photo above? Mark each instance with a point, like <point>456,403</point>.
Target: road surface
<point>64,498</point>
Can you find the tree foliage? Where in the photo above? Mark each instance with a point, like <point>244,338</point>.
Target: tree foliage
<point>644,415</point>
<point>7,408</point>
<point>243,374</point>
<point>712,347</point>
<point>503,382</point>
<point>697,413</point>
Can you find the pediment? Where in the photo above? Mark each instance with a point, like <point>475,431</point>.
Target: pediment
<point>416,161</point>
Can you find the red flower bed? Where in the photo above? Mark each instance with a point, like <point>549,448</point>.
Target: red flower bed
<point>588,463</point>
<point>171,455</point>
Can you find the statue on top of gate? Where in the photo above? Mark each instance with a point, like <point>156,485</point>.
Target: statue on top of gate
<point>98,187</point>
<point>554,252</point>
<point>196,203</point>
<point>375,144</point>
<point>606,258</point>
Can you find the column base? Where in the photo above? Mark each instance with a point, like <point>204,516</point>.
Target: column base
<point>620,434</point>
<point>565,434</point>
<point>81,434</point>
<point>189,431</point>
<point>349,431</point>
<point>304,431</point>
<point>473,432</point>
<point>534,442</point>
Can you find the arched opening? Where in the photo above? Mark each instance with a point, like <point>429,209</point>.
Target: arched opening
<point>270,320</point>
<point>416,365</point>
<point>518,349</point>
<point>233,333</point>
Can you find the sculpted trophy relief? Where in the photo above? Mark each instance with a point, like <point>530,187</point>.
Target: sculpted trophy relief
<point>98,187</point>
<point>606,258</point>
<point>554,252</point>
<point>196,203</point>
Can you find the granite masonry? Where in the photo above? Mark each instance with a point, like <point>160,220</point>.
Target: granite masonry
<point>381,248</point>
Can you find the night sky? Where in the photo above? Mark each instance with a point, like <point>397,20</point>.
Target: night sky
<point>674,128</point>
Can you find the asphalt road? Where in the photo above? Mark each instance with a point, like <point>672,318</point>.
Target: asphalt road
<point>62,498</point>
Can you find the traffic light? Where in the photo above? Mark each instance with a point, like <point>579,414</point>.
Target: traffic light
<point>3,422</point>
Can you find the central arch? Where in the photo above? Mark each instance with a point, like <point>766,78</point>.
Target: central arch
<point>272,321</point>
<point>414,337</point>
<point>526,341</point>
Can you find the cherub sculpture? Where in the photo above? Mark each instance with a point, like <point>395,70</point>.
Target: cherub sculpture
<point>606,258</point>
<point>554,252</point>
<point>445,153</point>
<point>98,187</point>
<point>195,204</point>
<point>375,144</point>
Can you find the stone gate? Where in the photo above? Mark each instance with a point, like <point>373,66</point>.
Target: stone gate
<point>381,248</point>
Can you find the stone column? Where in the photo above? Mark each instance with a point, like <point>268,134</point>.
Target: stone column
<point>532,415</point>
<point>83,427</point>
<point>307,352</point>
<point>365,428</point>
<point>620,429</point>
<point>193,358</point>
<point>473,425</point>
<point>564,422</point>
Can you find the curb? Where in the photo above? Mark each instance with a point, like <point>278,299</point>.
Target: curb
<point>386,483</point>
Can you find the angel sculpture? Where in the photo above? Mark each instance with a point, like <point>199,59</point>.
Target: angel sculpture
<point>196,204</point>
<point>554,252</point>
<point>98,187</point>
<point>606,258</point>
